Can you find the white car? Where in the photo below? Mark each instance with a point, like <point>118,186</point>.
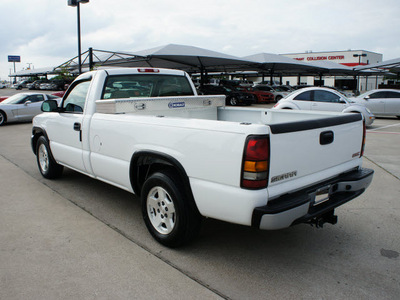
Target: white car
<point>23,107</point>
<point>2,85</point>
<point>384,102</point>
<point>323,99</point>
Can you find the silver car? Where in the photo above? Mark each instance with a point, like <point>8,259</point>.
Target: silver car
<point>323,99</point>
<point>22,107</point>
<point>383,102</point>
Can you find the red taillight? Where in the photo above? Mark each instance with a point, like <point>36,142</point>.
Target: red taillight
<point>255,162</point>
<point>363,139</point>
<point>148,70</point>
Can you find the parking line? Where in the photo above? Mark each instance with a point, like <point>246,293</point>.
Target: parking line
<point>379,128</point>
<point>382,132</point>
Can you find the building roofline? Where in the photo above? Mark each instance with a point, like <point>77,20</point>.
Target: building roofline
<point>337,51</point>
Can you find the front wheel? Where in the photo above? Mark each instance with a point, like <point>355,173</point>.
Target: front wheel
<point>3,118</point>
<point>169,213</point>
<point>49,168</point>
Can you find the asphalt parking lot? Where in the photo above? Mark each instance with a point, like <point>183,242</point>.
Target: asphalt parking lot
<point>78,238</point>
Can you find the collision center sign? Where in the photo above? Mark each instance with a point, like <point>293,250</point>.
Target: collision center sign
<point>312,58</point>
<point>14,58</point>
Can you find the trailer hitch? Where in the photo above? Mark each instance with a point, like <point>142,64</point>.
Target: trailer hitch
<point>319,221</point>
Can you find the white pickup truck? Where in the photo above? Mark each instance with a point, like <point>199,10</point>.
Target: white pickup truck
<point>188,156</point>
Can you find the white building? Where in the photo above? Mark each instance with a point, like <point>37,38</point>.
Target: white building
<point>350,58</point>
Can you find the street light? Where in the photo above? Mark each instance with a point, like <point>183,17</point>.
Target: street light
<point>359,57</point>
<point>76,3</point>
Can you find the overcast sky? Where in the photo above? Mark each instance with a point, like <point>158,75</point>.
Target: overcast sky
<point>44,32</point>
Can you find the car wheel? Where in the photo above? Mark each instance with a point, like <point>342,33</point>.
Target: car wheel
<point>48,167</point>
<point>233,101</point>
<point>3,118</point>
<point>169,213</point>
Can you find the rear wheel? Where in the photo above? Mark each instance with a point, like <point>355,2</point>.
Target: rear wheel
<point>233,101</point>
<point>169,213</point>
<point>49,168</point>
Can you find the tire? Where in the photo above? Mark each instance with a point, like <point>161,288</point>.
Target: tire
<point>46,163</point>
<point>233,101</point>
<point>169,213</point>
<point>3,118</point>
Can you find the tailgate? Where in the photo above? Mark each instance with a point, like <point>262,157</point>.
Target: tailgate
<point>306,152</point>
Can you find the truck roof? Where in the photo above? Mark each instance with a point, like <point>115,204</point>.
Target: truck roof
<point>127,71</point>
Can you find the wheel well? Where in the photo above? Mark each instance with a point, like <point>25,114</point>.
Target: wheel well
<point>5,115</point>
<point>36,134</point>
<point>144,164</point>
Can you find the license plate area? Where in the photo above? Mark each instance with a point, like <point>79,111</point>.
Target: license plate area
<point>321,195</point>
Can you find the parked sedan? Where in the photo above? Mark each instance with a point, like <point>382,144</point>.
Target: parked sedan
<point>233,96</point>
<point>261,96</point>
<point>323,99</point>
<point>278,92</point>
<point>22,107</point>
<point>384,102</point>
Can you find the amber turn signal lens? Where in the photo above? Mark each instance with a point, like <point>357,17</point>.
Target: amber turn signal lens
<point>256,166</point>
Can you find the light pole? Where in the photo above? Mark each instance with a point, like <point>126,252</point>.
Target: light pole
<point>359,57</point>
<point>359,63</point>
<point>76,3</point>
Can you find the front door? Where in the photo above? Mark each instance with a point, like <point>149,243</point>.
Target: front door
<point>64,129</point>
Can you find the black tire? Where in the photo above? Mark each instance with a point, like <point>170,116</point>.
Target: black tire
<point>233,101</point>
<point>3,118</point>
<point>48,167</point>
<point>169,213</point>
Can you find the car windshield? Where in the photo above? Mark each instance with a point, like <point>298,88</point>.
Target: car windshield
<point>285,88</point>
<point>363,95</point>
<point>278,89</point>
<point>16,99</point>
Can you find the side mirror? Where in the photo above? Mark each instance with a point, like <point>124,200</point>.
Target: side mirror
<point>27,103</point>
<point>49,106</point>
<point>366,98</point>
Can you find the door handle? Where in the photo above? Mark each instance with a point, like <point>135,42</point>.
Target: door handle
<point>77,127</point>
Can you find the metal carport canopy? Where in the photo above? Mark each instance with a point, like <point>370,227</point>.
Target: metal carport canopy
<point>188,58</point>
<point>393,65</point>
<point>275,63</point>
<point>35,72</point>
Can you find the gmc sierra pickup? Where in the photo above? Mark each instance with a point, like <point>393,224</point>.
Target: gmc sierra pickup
<point>147,131</point>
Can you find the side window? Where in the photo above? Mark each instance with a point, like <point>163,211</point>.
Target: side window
<point>306,96</point>
<point>35,98</point>
<point>75,101</point>
<point>392,95</point>
<point>324,96</point>
<point>377,95</point>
